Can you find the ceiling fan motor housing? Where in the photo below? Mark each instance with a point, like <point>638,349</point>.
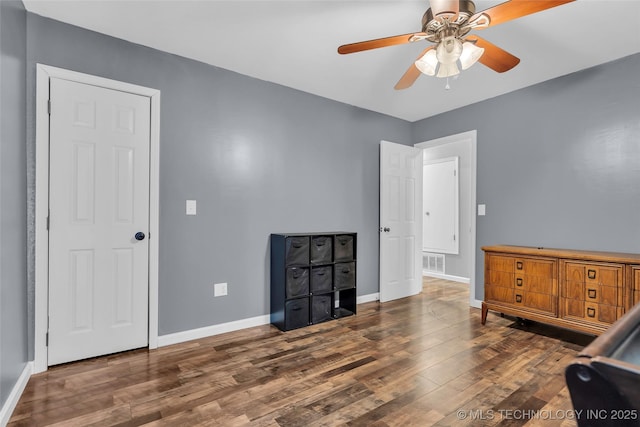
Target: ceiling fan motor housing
<point>434,27</point>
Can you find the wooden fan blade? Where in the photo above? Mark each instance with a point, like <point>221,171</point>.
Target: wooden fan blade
<point>412,74</point>
<point>517,8</point>
<point>445,8</point>
<point>377,43</point>
<point>494,57</point>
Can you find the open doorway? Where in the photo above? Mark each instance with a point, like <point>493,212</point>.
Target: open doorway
<point>460,266</point>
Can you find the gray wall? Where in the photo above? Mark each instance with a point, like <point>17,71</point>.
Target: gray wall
<point>259,158</point>
<point>558,162</point>
<point>13,223</point>
<point>459,264</point>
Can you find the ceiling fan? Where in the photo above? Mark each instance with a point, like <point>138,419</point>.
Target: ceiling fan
<point>447,23</point>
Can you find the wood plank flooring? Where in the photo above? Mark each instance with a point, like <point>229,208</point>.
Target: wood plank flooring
<point>422,361</point>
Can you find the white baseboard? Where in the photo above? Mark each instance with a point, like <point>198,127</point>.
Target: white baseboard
<point>14,396</point>
<point>368,298</point>
<point>476,303</point>
<point>209,331</point>
<point>446,277</point>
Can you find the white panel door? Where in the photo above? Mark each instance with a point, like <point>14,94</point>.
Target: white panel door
<point>440,206</point>
<point>99,201</point>
<point>400,221</point>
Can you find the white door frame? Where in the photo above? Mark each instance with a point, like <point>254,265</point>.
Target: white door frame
<point>472,137</point>
<point>43,76</point>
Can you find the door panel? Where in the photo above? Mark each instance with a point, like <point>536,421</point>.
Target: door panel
<point>99,199</point>
<point>400,221</point>
<point>440,206</point>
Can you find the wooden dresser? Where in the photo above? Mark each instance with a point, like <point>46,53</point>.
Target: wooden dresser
<point>580,290</point>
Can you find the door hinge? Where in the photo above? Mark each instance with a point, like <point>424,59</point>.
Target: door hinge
<point>455,172</point>
<point>49,106</point>
<point>454,237</point>
<point>47,339</point>
<point>48,223</point>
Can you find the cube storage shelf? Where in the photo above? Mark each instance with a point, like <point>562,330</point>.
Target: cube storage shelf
<point>313,278</point>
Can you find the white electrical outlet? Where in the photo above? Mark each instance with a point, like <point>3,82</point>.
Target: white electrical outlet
<point>219,289</point>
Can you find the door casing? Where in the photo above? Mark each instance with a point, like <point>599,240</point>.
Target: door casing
<point>43,75</point>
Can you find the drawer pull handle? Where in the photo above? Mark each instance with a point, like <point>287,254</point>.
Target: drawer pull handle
<point>591,293</point>
<point>591,274</point>
<point>519,265</point>
<point>518,298</point>
<point>518,282</point>
<point>591,312</point>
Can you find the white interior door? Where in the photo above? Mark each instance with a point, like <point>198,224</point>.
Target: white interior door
<point>99,201</point>
<point>440,206</point>
<point>400,221</point>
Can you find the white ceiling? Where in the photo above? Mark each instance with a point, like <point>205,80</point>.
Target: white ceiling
<point>293,43</point>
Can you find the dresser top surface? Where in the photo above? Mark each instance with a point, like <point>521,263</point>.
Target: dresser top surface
<point>566,253</point>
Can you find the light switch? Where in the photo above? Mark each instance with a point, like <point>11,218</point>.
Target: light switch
<point>191,207</point>
<point>482,210</point>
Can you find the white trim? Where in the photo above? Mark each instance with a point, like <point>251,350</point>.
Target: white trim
<point>368,298</point>
<point>12,400</point>
<point>472,136</point>
<point>459,279</point>
<point>208,331</point>
<point>476,303</point>
<point>44,73</point>
<point>236,325</point>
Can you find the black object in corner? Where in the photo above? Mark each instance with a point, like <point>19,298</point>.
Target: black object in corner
<point>313,278</point>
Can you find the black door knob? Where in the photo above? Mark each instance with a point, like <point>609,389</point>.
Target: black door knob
<point>139,235</point>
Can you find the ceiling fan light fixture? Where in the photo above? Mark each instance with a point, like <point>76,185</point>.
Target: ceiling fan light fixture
<point>470,54</point>
<point>448,70</point>
<point>449,50</point>
<point>428,63</point>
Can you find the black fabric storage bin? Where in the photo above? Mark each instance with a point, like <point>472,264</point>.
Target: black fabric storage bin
<point>297,282</point>
<point>321,279</point>
<point>297,313</point>
<point>344,248</point>
<point>320,308</point>
<point>344,275</point>
<point>321,249</point>
<point>297,250</point>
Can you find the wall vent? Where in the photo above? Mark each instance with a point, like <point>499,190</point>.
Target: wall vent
<point>433,263</point>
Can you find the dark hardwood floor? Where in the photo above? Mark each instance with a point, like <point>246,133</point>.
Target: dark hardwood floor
<point>422,361</point>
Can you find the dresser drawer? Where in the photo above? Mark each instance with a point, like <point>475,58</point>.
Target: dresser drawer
<point>534,267</point>
<point>501,278</point>
<point>601,294</point>
<point>591,273</point>
<point>499,294</point>
<point>600,313</point>
<point>539,284</point>
<point>501,263</point>
<point>538,301</point>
